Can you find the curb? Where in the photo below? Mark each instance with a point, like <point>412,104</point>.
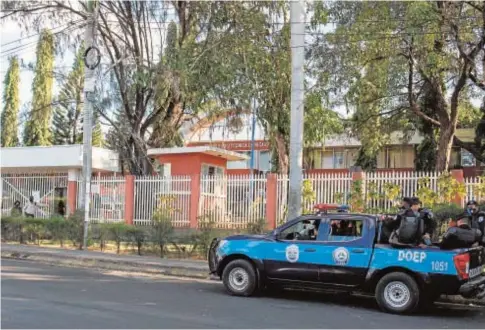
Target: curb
<point>150,269</point>
<point>105,264</point>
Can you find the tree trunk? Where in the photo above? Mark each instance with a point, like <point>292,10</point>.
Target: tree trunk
<point>282,150</point>
<point>445,144</point>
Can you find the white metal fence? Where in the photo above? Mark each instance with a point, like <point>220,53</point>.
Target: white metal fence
<point>171,193</point>
<point>107,199</point>
<point>232,201</point>
<point>472,189</point>
<point>48,190</point>
<point>408,182</point>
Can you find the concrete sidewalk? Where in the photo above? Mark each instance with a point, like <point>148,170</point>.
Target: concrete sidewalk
<point>100,260</point>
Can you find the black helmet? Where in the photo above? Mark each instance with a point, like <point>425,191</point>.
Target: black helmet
<point>472,202</point>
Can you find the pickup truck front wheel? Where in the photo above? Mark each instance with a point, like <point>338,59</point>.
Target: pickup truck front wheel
<point>239,278</point>
<point>397,293</point>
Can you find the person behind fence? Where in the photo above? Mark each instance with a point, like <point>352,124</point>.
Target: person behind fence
<point>16,209</point>
<point>413,226</point>
<point>30,208</point>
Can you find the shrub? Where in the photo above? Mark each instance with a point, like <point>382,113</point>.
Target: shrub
<point>137,236</point>
<point>12,228</point>
<point>57,227</point>
<point>206,233</point>
<point>117,232</point>
<point>162,230</point>
<point>35,228</point>
<point>75,228</point>
<point>258,227</point>
<point>100,233</point>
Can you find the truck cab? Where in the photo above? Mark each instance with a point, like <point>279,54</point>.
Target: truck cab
<point>342,252</point>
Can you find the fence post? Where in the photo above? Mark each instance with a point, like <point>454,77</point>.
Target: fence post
<point>271,200</point>
<point>458,176</point>
<point>129,198</point>
<point>72,176</point>
<point>356,176</point>
<point>194,200</point>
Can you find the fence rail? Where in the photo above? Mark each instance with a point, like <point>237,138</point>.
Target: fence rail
<point>229,201</point>
<point>107,199</point>
<point>153,192</point>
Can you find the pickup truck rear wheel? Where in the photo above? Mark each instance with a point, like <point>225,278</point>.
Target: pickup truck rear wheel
<point>397,293</point>
<point>239,278</point>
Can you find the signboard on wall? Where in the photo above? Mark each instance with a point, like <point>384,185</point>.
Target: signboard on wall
<point>234,145</point>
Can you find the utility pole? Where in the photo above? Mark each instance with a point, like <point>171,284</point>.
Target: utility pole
<point>297,21</point>
<point>251,164</point>
<point>91,61</point>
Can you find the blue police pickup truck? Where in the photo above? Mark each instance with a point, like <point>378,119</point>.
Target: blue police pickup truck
<point>342,252</point>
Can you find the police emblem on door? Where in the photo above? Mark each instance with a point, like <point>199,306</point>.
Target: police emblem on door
<point>341,256</point>
<point>292,253</point>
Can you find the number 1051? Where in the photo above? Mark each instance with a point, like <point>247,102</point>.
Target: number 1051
<point>439,266</point>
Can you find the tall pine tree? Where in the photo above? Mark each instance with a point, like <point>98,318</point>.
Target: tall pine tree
<point>11,110</point>
<point>37,128</point>
<point>67,121</point>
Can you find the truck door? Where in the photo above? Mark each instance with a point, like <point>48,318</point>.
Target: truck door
<point>292,256</point>
<point>348,250</point>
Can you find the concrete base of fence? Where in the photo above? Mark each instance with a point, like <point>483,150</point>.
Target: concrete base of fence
<point>135,264</point>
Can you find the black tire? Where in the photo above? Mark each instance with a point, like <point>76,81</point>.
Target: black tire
<point>406,293</point>
<point>243,272</point>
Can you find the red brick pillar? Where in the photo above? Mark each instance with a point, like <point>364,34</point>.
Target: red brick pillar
<point>72,177</point>
<point>271,200</point>
<point>359,176</point>
<point>458,176</point>
<point>129,199</point>
<point>194,200</point>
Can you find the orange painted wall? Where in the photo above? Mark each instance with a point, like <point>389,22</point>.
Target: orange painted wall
<point>190,164</point>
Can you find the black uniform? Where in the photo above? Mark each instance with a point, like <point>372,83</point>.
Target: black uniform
<point>478,222</point>
<point>411,226</point>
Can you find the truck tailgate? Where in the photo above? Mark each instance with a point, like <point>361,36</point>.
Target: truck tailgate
<point>477,262</point>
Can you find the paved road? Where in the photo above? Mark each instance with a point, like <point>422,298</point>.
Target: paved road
<point>41,296</point>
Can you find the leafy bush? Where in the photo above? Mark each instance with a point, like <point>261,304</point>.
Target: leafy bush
<point>117,232</point>
<point>75,228</point>
<point>137,236</point>
<point>207,232</point>
<point>258,227</point>
<point>162,230</point>
<point>100,233</point>
<point>34,229</point>
<point>57,228</point>
<point>12,228</point>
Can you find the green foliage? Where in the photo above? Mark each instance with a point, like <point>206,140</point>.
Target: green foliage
<point>356,196</point>
<point>308,196</point>
<point>118,232</point>
<point>207,232</point>
<point>9,118</point>
<point>37,128</point>
<point>57,227</point>
<point>162,228</point>
<point>367,159</point>
<point>138,237</point>
<point>67,121</point>
<point>392,191</point>
<point>75,228</point>
<point>424,192</point>
<point>100,233</point>
<point>258,227</point>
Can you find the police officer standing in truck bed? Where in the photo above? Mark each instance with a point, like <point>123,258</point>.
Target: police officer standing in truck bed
<point>477,218</point>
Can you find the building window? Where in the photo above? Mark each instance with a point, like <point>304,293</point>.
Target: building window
<point>396,157</point>
<point>264,162</point>
<point>338,159</point>
<point>163,169</point>
<point>467,159</point>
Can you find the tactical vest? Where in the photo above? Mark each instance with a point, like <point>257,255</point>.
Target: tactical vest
<point>409,228</point>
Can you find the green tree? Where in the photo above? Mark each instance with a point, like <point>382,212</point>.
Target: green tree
<point>405,53</point>
<point>37,128</point>
<point>67,121</point>
<point>12,104</point>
